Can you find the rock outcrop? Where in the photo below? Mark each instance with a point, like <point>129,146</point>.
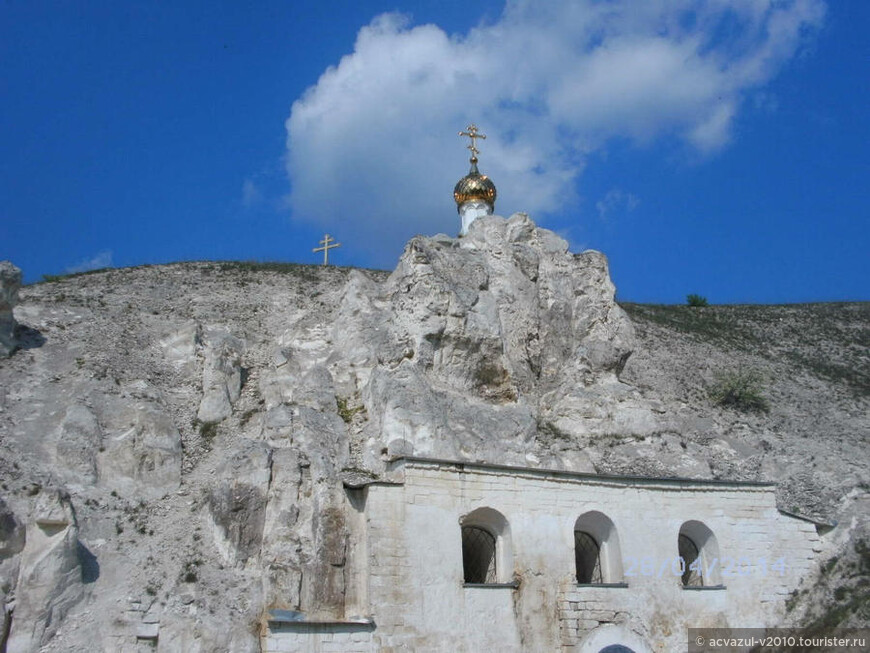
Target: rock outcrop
<point>221,376</point>
<point>49,580</point>
<point>10,282</point>
<point>486,346</point>
<point>12,538</point>
<point>140,451</point>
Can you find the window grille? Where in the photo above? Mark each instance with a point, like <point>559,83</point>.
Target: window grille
<point>587,557</point>
<point>688,551</point>
<point>478,555</point>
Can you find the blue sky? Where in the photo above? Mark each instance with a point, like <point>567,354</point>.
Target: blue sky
<point>715,147</point>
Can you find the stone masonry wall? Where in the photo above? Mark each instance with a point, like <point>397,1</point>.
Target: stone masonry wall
<point>318,638</point>
<point>414,578</point>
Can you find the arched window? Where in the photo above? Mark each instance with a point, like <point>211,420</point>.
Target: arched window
<point>597,556</point>
<point>486,550</point>
<point>478,555</point>
<point>699,555</point>
<point>587,558</point>
<point>689,562</point>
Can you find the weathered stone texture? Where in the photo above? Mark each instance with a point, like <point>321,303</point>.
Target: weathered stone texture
<point>10,282</point>
<point>141,451</point>
<point>237,503</point>
<point>486,344</point>
<point>79,439</point>
<point>50,577</point>
<point>221,375</point>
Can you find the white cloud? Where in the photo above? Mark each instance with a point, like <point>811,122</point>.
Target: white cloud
<point>614,201</point>
<point>713,132</point>
<point>101,260</point>
<point>372,147</point>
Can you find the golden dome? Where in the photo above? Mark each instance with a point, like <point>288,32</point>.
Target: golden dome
<point>474,186</point>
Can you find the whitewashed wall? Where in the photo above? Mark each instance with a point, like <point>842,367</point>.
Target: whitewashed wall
<point>407,563</point>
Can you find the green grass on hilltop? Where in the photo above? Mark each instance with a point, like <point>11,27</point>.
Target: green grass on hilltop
<point>307,271</point>
<point>828,340</point>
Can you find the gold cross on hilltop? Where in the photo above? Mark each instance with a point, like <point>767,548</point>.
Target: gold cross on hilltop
<point>472,134</point>
<point>328,244</point>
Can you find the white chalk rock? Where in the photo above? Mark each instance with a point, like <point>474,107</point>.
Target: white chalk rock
<point>141,450</point>
<point>50,575</point>
<point>454,353</point>
<point>221,375</point>
<point>10,282</point>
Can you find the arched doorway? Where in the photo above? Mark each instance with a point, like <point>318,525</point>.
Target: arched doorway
<point>612,638</point>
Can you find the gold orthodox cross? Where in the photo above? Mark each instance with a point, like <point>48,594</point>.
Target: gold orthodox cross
<point>472,134</point>
<point>327,244</point>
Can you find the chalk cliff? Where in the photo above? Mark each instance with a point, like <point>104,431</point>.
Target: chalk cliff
<point>174,439</point>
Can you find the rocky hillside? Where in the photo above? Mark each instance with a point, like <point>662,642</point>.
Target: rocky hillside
<point>173,439</point>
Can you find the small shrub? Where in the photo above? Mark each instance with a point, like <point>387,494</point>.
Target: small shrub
<point>345,411</point>
<point>739,390</point>
<point>490,374</point>
<point>207,430</point>
<point>550,429</point>
<point>696,300</point>
<point>792,601</point>
<point>188,573</point>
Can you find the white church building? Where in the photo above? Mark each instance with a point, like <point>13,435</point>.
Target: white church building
<point>457,556</point>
